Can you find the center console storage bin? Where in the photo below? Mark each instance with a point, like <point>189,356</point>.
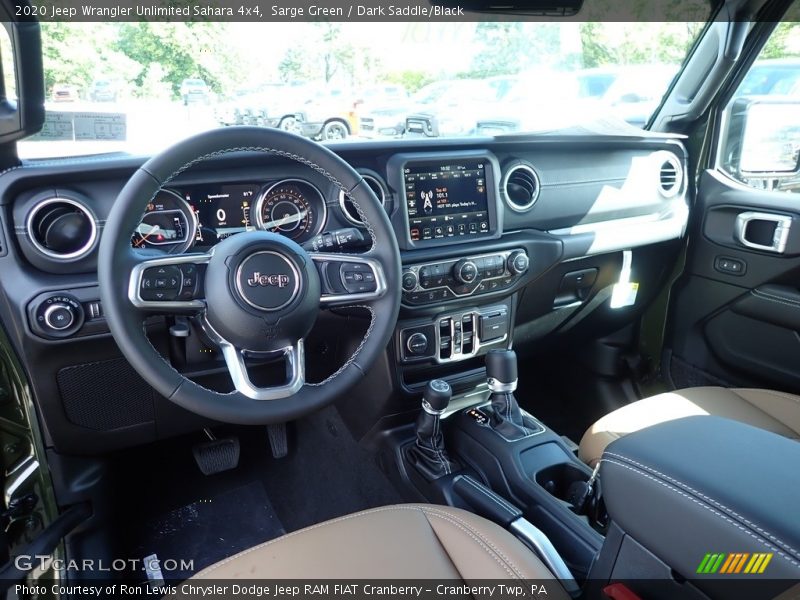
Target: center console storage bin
<point>701,485</point>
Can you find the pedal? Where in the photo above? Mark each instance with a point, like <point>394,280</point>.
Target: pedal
<point>216,455</point>
<point>278,440</point>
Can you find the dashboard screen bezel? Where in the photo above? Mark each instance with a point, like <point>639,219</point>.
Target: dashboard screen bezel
<point>395,171</point>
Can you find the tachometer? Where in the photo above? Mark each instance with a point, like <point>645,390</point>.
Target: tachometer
<point>293,208</point>
<point>168,224</point>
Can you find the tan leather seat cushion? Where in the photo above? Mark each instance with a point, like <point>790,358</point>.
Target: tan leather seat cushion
<point>405,541</point>
<point>774,411</point>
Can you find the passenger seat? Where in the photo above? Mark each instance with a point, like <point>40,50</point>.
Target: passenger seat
<point>774,411</point>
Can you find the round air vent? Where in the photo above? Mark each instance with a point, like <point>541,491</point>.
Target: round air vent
<point>670,177</point>
<point>62,228</point>
<point>520,187</point>
<point>350,212</point>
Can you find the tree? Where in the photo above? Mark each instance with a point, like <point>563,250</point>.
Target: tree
<point>411,80</point>
<point>510,47</point>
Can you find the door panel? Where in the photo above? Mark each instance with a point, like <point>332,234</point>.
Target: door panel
<point>735,312</point>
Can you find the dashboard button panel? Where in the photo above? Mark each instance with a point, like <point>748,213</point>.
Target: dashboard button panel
<point>463,277</point>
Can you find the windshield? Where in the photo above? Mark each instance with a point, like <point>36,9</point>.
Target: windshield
<point>139,87</point>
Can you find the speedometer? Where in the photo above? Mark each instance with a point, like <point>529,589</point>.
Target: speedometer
<point>168,224</point>
<point>293,208</point>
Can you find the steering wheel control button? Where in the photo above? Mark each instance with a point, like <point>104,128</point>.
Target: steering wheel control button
<point>268,280</point>
<point>358,278</point>
<point>57,316</point>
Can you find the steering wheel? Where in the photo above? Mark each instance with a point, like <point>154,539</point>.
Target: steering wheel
<point>254,293</point>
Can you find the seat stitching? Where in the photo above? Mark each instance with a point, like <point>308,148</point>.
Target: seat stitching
<point>498,558</point>
<point>776,299</point>
<point>511,563</point>
<point>424,510</point>
<point>709,499</point>
<point>760,539</point>
<point>792,397</point>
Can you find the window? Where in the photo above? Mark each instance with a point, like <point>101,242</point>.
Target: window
<point>761,142</point>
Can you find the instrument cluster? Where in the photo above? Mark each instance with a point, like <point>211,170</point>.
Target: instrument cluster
<point>199,216</point>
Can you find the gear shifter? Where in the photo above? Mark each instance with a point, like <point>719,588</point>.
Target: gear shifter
<point>506,418</point>
<point>428,453</point>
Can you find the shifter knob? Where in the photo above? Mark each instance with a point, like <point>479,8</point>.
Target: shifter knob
<point>436,396</point>
<point>501,367</point>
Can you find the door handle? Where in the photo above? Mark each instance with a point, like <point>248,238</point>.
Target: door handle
<point>780,235</point>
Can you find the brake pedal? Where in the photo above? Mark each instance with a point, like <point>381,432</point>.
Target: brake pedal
<point>278,440</point>
<point>216,455</point>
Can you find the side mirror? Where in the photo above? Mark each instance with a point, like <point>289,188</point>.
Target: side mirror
<point>24,115</point>
<point>763,138</point>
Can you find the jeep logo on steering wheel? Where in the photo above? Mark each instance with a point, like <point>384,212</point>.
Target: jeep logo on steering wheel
<point>257,279</point>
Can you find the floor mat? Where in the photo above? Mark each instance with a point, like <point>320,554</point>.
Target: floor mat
<point>176,512</point>
<point>210,529</point>
<point>327,474</point>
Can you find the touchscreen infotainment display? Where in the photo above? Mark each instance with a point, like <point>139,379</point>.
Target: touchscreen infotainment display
<point>446,200</point>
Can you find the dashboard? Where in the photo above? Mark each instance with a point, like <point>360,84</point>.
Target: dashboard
<point>503,241</point>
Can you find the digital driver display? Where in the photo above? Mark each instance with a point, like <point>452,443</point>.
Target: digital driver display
<point>222,210</point>
<point>446,200</point>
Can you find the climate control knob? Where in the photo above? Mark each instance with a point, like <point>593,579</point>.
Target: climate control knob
<point>518,262</point>
<point>409,280</point>
<point>59,316</point>
<point>465,271</point>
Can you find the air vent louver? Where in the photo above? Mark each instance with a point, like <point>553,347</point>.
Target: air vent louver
<point>670,177</point>
<point>521,187</point>
<point>350,212</point>
<point>62,228</point>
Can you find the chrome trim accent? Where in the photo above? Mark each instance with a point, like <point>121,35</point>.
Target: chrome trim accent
<point>449,263</point>
<point>477,343</point>
<point>260,201</point>
<point>676,164</point>
<point>234,359</point>
<point>504,187</point>
<point>343,198</point>
<point>136,281</point>
<point>295,273</point>
<point>17,476</point>
<point>783,224</point>
<point>498,387</point>
<point>430,410</point>
<point>83,250</point>
<point>377,269</point>
<point>536,540</point>
<point>49,310</point>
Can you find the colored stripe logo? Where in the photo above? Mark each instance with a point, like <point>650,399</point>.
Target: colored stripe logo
<point>734,562</point>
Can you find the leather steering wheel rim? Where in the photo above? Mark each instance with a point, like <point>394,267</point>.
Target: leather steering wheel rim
<point>117,260</point>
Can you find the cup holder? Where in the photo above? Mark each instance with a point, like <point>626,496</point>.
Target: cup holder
<point>558,479</point>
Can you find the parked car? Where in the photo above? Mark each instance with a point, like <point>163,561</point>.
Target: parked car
<point>103,90</point>
<point>637,91</point>
<point>64,92</point>
<point>388,119</point>
<point>195,91</point>
<point>771,76</point>
<point>330,114</point>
